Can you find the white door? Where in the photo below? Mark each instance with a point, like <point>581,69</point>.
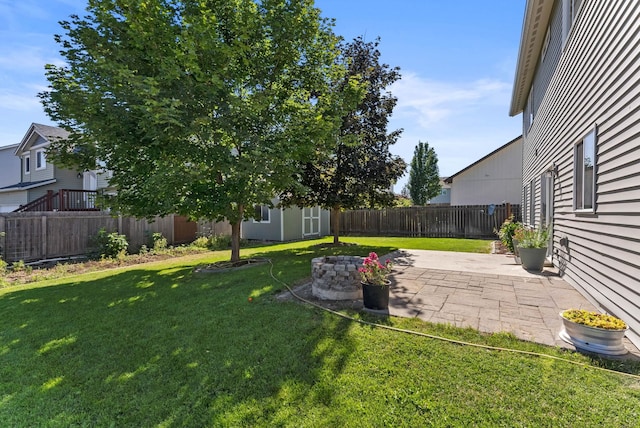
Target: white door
<point>311,221</point>
<point>89,182</point>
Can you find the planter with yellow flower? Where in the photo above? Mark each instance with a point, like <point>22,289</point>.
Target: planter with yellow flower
<point>593,332</point>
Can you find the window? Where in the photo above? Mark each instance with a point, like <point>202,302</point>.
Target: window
<point>525,204</point>
<point>545,45</point>
<point>584,178</point>
<point>531,107</point>
<point>27,164</point>
<point>41,162</point>
<point>569,12</point>
<point>532,203</point>
<point>262,214</point>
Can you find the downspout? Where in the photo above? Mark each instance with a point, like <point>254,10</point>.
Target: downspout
<point>281,224</point>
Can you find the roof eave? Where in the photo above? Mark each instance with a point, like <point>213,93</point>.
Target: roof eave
<point>534,28</point>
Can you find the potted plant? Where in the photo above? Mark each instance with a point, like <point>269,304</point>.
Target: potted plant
<point>375,285</point>
<point>532,247</point>
<point>593,332</point>
<point>507,231</point>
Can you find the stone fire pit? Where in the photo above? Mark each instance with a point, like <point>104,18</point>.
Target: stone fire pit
<point>336,277</point>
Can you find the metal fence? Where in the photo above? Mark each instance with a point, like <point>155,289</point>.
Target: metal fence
<point>442,221</point>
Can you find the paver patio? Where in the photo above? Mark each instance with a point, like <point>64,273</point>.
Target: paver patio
<point>446,288</point>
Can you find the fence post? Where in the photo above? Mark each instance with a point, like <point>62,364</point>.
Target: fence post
<point>3,238</point>
<point>43,222</point>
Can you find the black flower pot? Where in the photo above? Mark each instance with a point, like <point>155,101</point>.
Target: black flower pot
<point>375,296</point>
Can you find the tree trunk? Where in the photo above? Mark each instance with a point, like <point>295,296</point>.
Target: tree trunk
<point>235,241</point>
<point>235,235</point>
<point>335,224</point>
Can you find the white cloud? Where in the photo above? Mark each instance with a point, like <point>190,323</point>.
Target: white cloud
<point>19,102</point>
<point>432,102</point>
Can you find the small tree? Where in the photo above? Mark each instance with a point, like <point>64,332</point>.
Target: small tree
<point>424,177</point>
<point>198,108</point>
<point>357,170</point>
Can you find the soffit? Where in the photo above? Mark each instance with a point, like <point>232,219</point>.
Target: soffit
<point>534,29</point>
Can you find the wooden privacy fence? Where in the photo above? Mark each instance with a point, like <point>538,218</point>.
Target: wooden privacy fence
<point>42,235</point>
<point>442,221</point>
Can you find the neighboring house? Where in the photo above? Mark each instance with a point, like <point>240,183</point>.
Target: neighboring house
<point>494,179</point>
<point>9,166</point>
<point>578,86</point>
<point>286,224</point>
<point>445,193</point>
<point>38,177</point>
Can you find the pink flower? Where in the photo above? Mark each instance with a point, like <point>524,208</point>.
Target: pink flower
<point>374,272</point>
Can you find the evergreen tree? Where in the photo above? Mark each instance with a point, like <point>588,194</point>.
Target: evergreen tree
<point>424,177</point>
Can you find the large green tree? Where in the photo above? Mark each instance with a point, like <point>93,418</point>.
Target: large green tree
<point>202,108</point>
<point>358,170</point>
<point>424,176</point>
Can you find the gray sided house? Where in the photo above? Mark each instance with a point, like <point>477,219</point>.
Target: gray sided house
<point>578,86</point>
<point>9,166</point>
<point>286,224</point>
<point>444,198</point>
<point>493,179</point>
<point>37,176</point>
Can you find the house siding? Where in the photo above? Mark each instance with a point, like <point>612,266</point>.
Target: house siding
<point>261,230</point>
<point>42,174</point>
<point>292,223</point>
<point>595,84</point>
<point>9,166</point>
<point>494,180</point>
<point>10,201</point>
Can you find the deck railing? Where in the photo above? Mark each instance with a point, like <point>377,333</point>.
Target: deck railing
<point>63,200</point>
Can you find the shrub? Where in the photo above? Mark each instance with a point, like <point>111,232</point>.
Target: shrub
<point>506,232</point>
<point>111,245</point>
<point>213,242</point>
<point>20,266</point>
<point>159,242</point>
<point>201,242</point>
<point>219,242</point>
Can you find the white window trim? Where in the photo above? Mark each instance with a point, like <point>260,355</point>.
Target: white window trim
<point>26,161</point>
<point>531,108</point>
<point>44,160</point>
<point>545,44</point>
<point>532,203</point>
<point>260,220</point>
<point>592,209</point>
<point>570,10</point>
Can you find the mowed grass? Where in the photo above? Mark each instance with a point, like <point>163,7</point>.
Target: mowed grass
<point>161,345</point>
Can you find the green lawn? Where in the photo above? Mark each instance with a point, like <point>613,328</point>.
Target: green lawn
<point>160,345</point>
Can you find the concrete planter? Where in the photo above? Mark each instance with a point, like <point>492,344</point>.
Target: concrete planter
<point>532,259</point>
<point>593,339</point>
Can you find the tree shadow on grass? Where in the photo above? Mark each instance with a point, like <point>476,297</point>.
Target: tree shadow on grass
<point>167,346</point>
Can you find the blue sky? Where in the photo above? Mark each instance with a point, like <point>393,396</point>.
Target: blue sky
<point>457,61</point>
